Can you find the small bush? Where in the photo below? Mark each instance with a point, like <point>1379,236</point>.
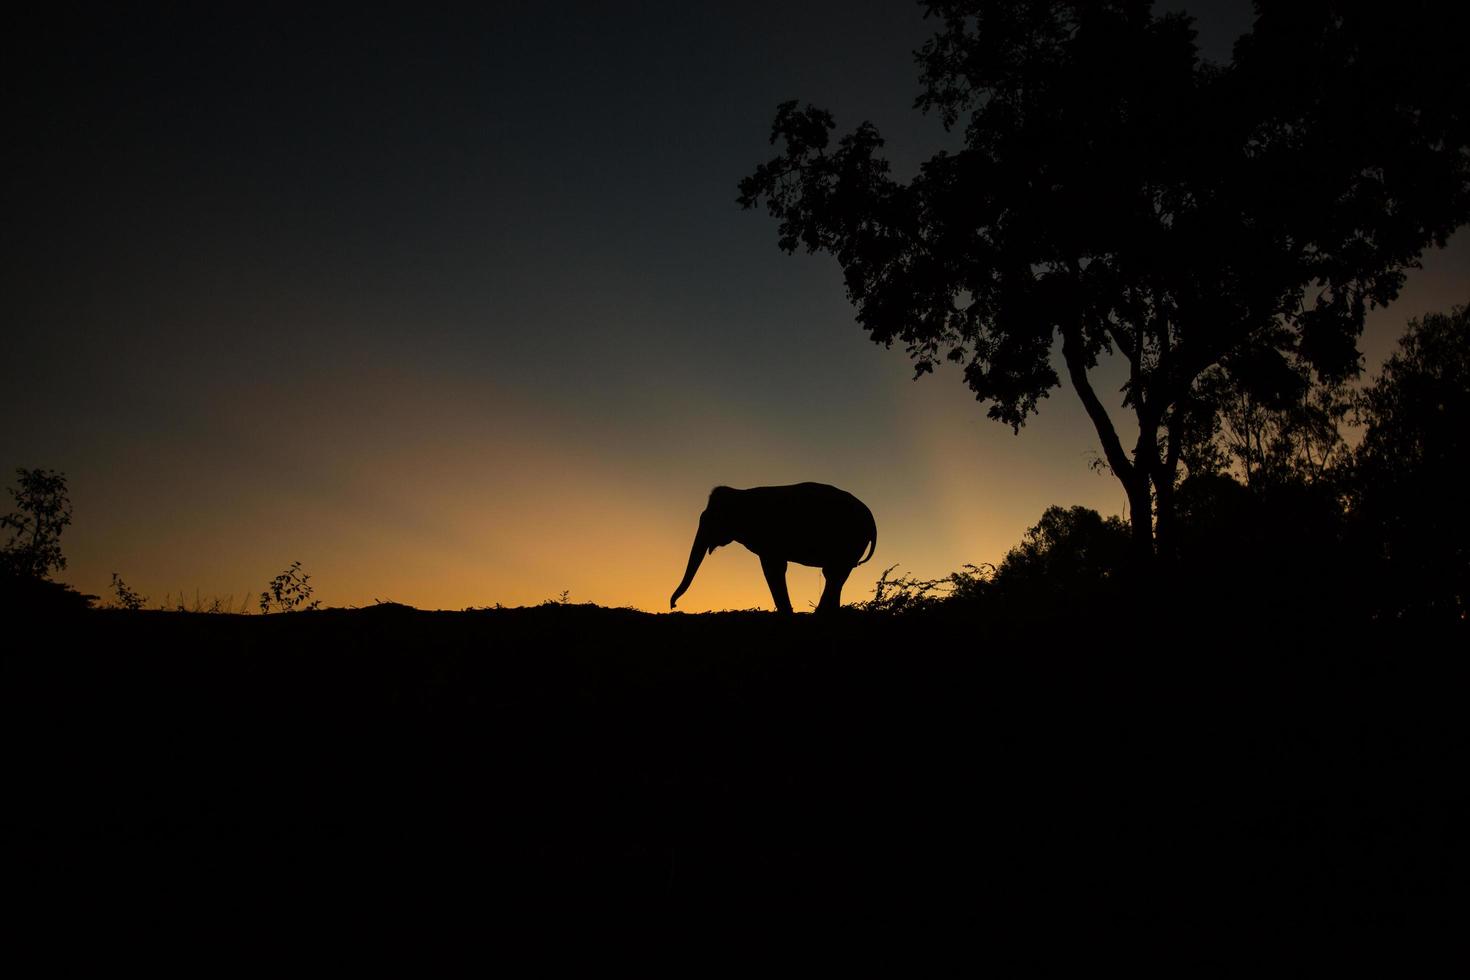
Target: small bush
<point>289,591</point>
<point>124,597</point>
<point>906,594</point>
<point>43,511</point>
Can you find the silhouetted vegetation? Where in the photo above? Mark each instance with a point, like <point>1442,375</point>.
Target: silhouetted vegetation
<point>1070,552</point>
<point>1406,486</point>
<point>124,597</point>
<point>289,591</point>
<point>1280,520</point>
<point>33,551</point>
<point>43,511</point>
<point>213,605</point>
<point>1069,558</point>
<point>904,594</point>
<point>1210,225</point>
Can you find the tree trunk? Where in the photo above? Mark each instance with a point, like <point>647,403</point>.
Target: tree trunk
<point>1165,543</point>
<point>1141,517</point>
<point>1164,478</point>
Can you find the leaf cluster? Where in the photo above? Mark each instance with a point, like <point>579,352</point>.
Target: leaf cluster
<point>1068,551</point>
<point>124,597</point>
<point>901,594</point>
<point>1407,492</point>
<point>289,591</point>
<point>43,511</point>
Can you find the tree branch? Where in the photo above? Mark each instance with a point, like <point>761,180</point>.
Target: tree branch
<point>1073,354</point>
<point>1166,469</point>
<point>1124,342</point>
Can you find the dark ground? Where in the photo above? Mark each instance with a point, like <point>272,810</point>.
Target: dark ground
<point>1034,775</point>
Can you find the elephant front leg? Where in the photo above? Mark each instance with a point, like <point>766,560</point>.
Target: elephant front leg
<point>832,594</point>
<point>775,570</point>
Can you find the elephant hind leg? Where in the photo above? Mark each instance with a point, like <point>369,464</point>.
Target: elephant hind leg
<point>832,595</point>
<point>775,570</point>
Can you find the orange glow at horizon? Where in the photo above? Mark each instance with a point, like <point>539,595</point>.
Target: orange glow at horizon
<point>391,478</point>
<point>446,497</point>
<point>401,483</point>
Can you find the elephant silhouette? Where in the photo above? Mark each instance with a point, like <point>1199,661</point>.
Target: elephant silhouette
<point>808,523</point>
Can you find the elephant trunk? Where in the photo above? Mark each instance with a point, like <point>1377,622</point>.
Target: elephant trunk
<point>696,555</point>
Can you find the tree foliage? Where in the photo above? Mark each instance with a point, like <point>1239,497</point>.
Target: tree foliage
<point>1071,550</point>
<point>43,511</point>
<point>1119,195</point>
<point>1408,486</point>
<point>289,591</point>
<point>124,596</point>
<point>1069,557</point>
<point>1290,431</point>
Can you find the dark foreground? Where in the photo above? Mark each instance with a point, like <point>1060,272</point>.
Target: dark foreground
<point>1039,776</point>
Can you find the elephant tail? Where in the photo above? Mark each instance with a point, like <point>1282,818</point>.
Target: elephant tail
<point>872,537</point>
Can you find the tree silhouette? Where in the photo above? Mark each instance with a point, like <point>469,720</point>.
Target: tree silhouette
<point>1286,430</point>
<point>43,512</point>
<point>1070,550</point>
<point>1116,192</point>
<point>1408,485</point>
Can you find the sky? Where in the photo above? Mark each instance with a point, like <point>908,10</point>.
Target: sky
<point>457,308</point>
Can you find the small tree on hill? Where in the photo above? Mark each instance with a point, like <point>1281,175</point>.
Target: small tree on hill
<point>289,591</point>
<point>43,511</point>
<point>124,597</point>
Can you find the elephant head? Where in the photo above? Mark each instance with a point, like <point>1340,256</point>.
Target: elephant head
<point>808,523</point>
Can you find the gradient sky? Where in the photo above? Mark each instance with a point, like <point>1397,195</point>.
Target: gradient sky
<point>458,309</point>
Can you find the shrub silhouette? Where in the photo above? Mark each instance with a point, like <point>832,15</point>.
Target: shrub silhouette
<point>1069,558</point>
<point>124,597</point>
<point>1071,550</point>
<point>900,594</point>
<point>43,512</point>
<point>289,591</point>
